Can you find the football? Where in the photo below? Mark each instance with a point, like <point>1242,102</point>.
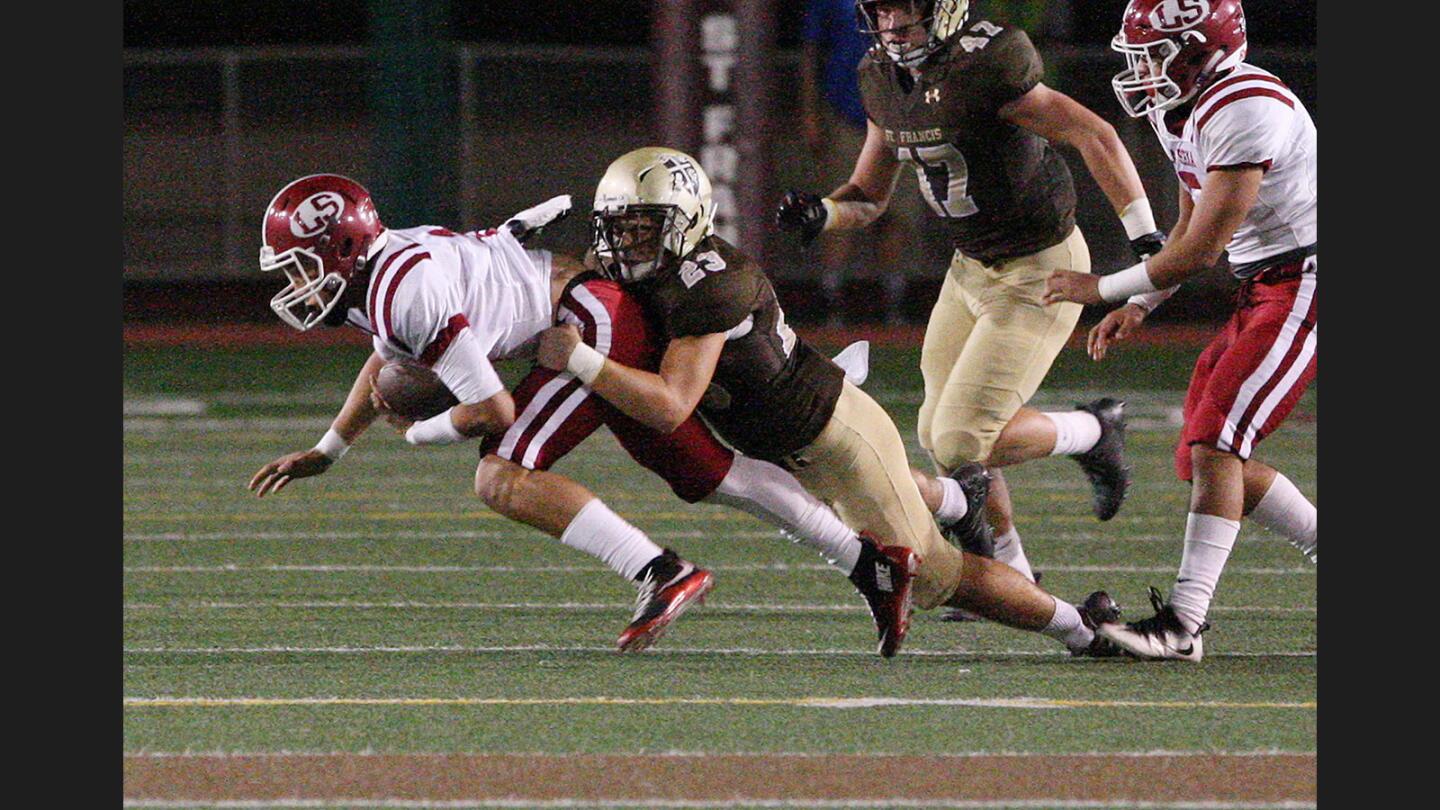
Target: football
<point>413,391</point>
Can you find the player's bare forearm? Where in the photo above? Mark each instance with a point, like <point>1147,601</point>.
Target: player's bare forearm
<point>492,415</point>
<point>865,196</point>
<point>1057,117</point>
<point>1228,196</point>
<point>358,412</point>
<point>852,209</point>
<point>665,400</point>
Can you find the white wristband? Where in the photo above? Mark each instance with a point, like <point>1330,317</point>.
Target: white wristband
<point>585,363</point>
<point>1137,218</point>
<point>830,216</point>
<point>1127,282</point>
<point>1149,301</point>
<point>438,429</point>
<point>332,446</point>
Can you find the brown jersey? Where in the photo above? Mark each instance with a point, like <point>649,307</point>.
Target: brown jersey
<point>1002,190</point>
<point>772,393</point>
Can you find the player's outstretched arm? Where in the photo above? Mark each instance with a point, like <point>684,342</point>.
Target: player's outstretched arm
<point>1057,117</point>
<point>355,416</point>
<point>660,401</point>
<point>857,203</point>
<point>1228,195</point>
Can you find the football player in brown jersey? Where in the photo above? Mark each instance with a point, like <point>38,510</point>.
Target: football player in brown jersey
<point>771,395</point>
<point>962,103</point>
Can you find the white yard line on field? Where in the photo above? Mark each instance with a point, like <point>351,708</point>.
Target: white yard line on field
<point>813,702</point>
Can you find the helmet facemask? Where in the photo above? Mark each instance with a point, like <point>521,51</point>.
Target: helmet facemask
<point>312,293</point>
<point>869,19</point>
<point>939,19</point>
<point>1146,84</point>
<point>632,241</point>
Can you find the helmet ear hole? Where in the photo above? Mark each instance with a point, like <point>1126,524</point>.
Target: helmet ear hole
<point>347,248</point>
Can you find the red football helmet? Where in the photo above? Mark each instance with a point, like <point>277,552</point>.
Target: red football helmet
<point>1174,48</point>
<point>319,231</point>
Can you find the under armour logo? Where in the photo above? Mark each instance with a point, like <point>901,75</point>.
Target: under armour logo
<point>932,95</point>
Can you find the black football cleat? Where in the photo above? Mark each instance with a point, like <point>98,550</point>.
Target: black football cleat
<point>1159,637</point>
<point>668,588</point>
<point>972,533</point>
<point>885,576</point>
<point>1104,464</point>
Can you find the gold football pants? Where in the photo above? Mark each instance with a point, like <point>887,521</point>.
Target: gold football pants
<point>858,464</point>
<point>988,346</point>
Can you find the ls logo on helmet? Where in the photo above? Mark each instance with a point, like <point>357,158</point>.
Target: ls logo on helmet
<point>311,216</point>
<point>1177,15</point>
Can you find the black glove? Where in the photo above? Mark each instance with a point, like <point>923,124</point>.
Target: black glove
<point>802,211</point>
<point>1147,245</point>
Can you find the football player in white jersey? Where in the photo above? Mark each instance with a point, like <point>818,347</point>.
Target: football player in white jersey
<point>456,303</point>
<point>1244,149</point>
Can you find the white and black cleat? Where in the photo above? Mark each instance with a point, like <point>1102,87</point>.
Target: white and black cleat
<point>1160,637</point>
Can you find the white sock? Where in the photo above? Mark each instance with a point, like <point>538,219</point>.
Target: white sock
<point>1009,551</point>
<point>1067,627</point>
<point>1285,510</point>
<point>770,493</point>
<point>953,505</point>
<point>599,532</point>
<point>1075,432</point>
<point>1208,540</point>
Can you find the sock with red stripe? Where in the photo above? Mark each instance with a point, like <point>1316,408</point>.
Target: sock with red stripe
<point>1285,510</point>
<point>1208,541</point>
<point>601,533</point>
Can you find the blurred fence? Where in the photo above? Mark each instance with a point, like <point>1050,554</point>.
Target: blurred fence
<point>210,134</point>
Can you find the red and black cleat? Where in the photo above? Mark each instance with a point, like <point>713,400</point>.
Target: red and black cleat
<point>885,576</point>
<point>668,587</point>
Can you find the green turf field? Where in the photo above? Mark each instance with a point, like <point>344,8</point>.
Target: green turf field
<point>382,607</point>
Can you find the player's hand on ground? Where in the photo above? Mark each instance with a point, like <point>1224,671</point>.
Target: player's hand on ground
<point>802,211</point>
<point>1067,285</point>
<point>556,344</point>
<point>1114,328</point>
<point>274,476</point>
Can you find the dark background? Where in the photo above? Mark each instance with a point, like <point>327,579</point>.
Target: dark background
<point>155,23</point>
<point>559,88</point>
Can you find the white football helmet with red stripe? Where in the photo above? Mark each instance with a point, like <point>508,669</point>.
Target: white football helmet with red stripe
<point>1174,48</point>
<point>319,230</point>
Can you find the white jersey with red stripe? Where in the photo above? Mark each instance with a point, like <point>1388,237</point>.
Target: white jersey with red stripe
<point>1250,117</point>
<point>456,302</point>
